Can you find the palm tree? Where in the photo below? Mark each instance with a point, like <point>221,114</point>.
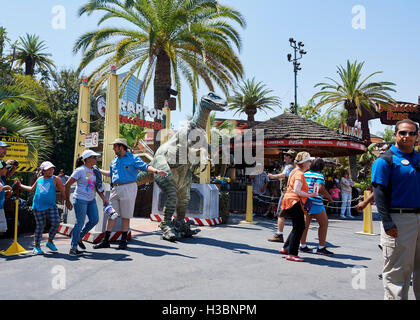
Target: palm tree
<point>30,52</point>
<point>251,97</point>
<point>167,39</point>
<point>356,96</point>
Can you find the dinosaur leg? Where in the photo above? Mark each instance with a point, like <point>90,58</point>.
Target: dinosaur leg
<point>168,228</point>
<point>183,199</point>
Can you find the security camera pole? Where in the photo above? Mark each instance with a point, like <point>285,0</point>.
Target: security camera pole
<point>296,65</point>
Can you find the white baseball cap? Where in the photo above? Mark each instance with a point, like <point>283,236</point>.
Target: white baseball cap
<point>46,165</point>
<point>89,153</point>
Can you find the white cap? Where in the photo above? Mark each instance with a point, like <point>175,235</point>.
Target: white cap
<point>89,153</point>
<point>306,160</point>
<point>46,165</point>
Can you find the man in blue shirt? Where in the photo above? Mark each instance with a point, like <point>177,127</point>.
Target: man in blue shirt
<point>396,190</point>
<point>123,172</point>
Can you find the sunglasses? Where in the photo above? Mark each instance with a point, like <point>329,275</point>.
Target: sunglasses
<point>407,133</point>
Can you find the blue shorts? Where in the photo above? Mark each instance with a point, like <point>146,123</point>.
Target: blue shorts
<point>315,209</point>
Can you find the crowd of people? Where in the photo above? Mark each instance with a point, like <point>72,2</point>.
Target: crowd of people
<point>88,178</point>
<point>300,188</point>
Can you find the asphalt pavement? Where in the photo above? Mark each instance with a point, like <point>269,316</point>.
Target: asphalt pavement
<point>232,261</point>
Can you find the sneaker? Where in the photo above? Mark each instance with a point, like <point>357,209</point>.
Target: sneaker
<point>51,246</point>
<point>75,252</point>
<point>122,245</point>
<point>276,238</point>
<point>342,217</point>
<point>324,252</point>
<point>81,245</point>
<point>350,217</point>
<point>305,249</point>
<point>37,250</point>
<point>102,244</point>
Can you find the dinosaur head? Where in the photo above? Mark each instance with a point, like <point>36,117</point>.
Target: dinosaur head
<point>213,102</point>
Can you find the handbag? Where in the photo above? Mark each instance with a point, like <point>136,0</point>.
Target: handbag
<point>308,205</point>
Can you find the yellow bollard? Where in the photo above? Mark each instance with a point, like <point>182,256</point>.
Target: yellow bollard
<point>367,218</point>
<point>15,248</point>
<point>249,206</point>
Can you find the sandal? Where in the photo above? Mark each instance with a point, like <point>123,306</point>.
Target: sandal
<point>283,251</point>
<point>295,258</point>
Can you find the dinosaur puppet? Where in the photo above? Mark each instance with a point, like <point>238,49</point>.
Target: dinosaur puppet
<point>174,157</point>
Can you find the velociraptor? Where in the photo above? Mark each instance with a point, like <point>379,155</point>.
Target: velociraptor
<point>176,157</point>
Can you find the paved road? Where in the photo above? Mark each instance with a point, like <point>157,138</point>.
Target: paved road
<point>233,261</point>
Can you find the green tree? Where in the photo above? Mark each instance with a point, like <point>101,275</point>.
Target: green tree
<point>388,134</point>
<point>356,95</point>
<point>167,39</point>
<point>30,53</point>
<point>251,97</point>
<point>12,99</point>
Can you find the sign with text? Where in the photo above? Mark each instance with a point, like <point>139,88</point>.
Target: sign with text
<point>91,140</point>
<point>19,151</point>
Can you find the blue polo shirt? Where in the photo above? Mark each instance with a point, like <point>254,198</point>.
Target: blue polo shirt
<point>125,169</point>
<point>405,178</point>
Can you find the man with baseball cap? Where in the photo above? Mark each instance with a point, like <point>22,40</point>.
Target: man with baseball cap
<point>123,172</point>
<point>289,157</point>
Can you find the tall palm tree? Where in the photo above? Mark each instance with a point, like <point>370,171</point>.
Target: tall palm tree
<point>31,53</point>
<point>356,95</point>
<point>250,97</point>
<point>167,39</point>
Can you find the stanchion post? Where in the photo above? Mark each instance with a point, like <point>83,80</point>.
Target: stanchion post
<point>15,248</point>
<point>249,205</point>
<point>367,218</point>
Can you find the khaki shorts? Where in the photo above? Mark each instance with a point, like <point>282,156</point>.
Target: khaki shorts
<point>123,199</point>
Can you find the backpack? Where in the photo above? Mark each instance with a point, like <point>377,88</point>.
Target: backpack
<point>387,156</point>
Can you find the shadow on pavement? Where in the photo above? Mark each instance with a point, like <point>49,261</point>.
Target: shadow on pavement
<point>141,247</point>
<point>236,247</point>
<point>328,263</point>
<point>88,255</point>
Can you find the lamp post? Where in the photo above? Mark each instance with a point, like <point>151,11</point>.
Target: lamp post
<point>296,65</point>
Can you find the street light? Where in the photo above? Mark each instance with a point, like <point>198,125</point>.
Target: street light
<point>296,65</point>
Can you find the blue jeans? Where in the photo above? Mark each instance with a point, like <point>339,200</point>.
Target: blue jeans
<point>81,209</point>
<point>346,204</point>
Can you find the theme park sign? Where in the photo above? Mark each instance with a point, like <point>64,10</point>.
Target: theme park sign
<point>139,109</point>
<point>129,111</point>
<point>350,131</point>
<point>399,111</point>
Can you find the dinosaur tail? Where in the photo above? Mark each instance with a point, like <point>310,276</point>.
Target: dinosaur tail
<point>144,177</point>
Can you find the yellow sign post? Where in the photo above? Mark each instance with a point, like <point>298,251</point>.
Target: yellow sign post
<point>83,119</point>
<point>367,218</point>
<point>112,126</point>
<point>165,132</point>
<point>15,248</point>
<point>205,175</point>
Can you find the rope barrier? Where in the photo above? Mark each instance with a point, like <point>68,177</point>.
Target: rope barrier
<point>259,196</point>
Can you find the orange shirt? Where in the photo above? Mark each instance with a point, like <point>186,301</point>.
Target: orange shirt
<point>290,197</point>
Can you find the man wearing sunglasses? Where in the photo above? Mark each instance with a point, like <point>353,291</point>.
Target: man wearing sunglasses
<point>396,187</point>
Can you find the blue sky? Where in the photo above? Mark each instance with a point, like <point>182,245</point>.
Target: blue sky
<point>389,43</point>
